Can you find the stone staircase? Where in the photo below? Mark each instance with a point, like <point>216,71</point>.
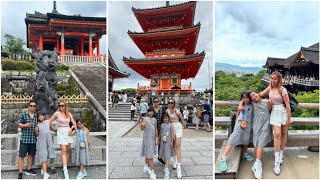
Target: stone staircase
<point>120,113</point>
<point>93,77</point>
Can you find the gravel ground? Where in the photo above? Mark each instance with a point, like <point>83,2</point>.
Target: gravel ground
<point>189,133</point>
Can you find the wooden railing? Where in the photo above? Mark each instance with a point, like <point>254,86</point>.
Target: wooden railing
<point>23,99</point>
<point>82,59</point>
<point>294,80</point>
<point>13,152</point>
<point>183,87</point>
<point>295,139</point>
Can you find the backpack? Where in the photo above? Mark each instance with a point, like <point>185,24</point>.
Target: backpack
<point>292,101</point>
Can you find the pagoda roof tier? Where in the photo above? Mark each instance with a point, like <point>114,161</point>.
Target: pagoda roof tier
<point>187,66</point>
<point>116,73</point>
<point>166,16</point>
<point>182,39</point>
<point>305,57</point>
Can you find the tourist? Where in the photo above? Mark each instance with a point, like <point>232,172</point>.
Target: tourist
<point>63,117</point>
<point>45,148</point>
<point>143,108</point>
<point>166,144</point>
<point>279,118</point>
<point>185,115</point>
<point>27,123</point>
<point>82,148</point>
<point>158,114</point>
<point>195,118</point>
<point>175,117</point>
<point>124,98</point>
<point>149,142</point>
<point>242,131</point>
<point>133,110</point>
<point>206,115</point>
<point>116,99</point>
<point>138,97</point>
<point>262,131</point>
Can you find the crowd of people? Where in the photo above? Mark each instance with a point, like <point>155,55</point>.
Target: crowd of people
<point>37,144</point>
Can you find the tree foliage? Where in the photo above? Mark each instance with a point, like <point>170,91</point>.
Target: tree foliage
<point>14,44</point>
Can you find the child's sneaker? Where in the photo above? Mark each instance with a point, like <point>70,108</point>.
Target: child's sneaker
<point>153,175</point>
<point>79,176</point>
<point>223,165</point>
<point>66,174</point>
<point>166,173</point>
<point>84,172</point>
<point>45,175</point>
<point>146,169</point>
<point>276,168</point>
<point>179,174</point>
<point>257,169</point>
<point>247,156</point>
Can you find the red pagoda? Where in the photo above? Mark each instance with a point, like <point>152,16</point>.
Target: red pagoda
<point>168,42</point>
<point>71,35</point>
<point>114,72</point>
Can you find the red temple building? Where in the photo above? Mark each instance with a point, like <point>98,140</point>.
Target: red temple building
<point>168,42</point>
<point>69,34</point>
<point>114,72</point>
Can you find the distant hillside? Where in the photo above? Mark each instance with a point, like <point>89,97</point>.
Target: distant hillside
<point>230,68</point>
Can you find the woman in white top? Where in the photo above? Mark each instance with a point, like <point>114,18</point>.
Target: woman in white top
<point>280,116</point>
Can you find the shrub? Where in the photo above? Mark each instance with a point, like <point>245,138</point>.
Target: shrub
<point>62,67</point>
<point>10,65</point>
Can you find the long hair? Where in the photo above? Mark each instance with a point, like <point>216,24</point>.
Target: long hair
<point>66,107</point>
<point>279,77</point>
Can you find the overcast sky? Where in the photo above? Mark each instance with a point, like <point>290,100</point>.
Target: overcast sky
<point>249,32</point>
<point>121,19</point>
<point>13,14</point>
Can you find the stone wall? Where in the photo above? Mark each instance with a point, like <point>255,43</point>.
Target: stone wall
<point>10,113</point>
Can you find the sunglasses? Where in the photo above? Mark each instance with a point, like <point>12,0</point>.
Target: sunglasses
<point>60,105</point>
<point>156,101</point>
<point>32,105</point>
<point>170,102</point>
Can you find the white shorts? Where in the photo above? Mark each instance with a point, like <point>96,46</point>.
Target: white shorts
<point>278,115</point>
<point>177,129</point>
<point>63,136</point>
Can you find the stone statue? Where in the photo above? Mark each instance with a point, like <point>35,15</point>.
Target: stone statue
<point>46,79</point>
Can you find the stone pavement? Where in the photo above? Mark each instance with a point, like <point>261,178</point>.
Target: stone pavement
<point>125,161</point>
<point>94,172</point>
<point>119,128</point>
<point>299,163</point>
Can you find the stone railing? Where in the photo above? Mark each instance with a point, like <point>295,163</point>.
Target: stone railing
<point>83,59</point>
<point>22,99</point>
<point>16,56</point>
<point>13,151</point>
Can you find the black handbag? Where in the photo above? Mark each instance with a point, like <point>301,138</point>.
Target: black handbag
<point>293,102</point>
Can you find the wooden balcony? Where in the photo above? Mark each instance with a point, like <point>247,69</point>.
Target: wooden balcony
<point>147,88</point>
<point>83,59</point>
<point>294,80</point>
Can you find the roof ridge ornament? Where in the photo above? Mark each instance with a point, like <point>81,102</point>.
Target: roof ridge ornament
<point>54,10</point>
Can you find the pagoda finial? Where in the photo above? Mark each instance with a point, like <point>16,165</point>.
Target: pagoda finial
<point>167,3</point>
<point>54,10</point>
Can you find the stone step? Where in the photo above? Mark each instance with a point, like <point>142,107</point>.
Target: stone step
<point>120,119</point>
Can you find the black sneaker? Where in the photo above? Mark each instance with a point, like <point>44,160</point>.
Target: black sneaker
<point>20,175</point>
<point>30,172</point>
<point>161,161</point>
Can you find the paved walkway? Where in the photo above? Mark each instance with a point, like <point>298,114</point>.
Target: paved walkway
<point>119,128</point>
<point>94,172</point>
<point>125,161</point>
<point>299,163</point>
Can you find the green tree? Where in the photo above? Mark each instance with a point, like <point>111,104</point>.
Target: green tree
<point>14,44</point>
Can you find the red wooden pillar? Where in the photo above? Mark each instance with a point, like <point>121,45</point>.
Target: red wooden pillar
<point>62,46</point>
<point>98,46</point>
<point>81,46</point>
<point>90,45</point>
<point>58,43</point>
<point>41,42</point>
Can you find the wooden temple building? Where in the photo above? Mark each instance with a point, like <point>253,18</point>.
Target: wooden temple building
<point>300,71</point>
<point>114,72</point>
<point>74,35</point>
<point>168,42</point>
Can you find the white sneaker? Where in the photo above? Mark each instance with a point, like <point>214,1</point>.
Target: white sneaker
<point>179,174</point>
<point>153,175</point>
<point>41,172</point>
<point>146,169</point>
<point>257,170</point>
<point>45,175</point>
<point>66,174</point>
<point>166,173</point>
<point>276,168</point>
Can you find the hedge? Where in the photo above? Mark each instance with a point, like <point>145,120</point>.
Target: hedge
<point>11,65</point>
